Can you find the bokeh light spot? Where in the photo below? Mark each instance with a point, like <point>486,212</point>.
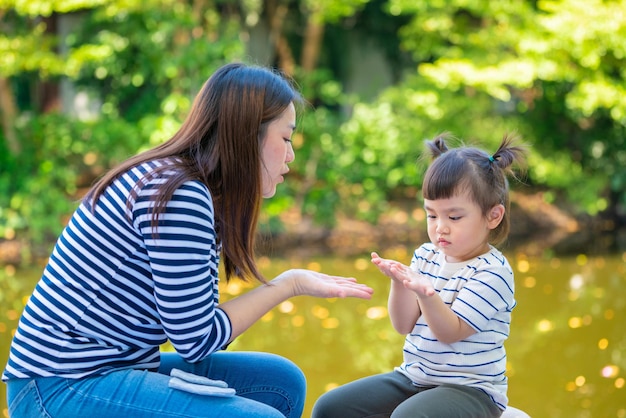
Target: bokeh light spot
<point>314,266</point>
<point>264,262</point>
<point>610,371</point>
<point>523,266</point>
<point>545,325</point>
<point>330,323</point>
<point>297,321</point>
<point>603,344</point>
<point>330,386</point>
<point>90,158</point>
<point>320,312</point>
<point>576,282</point>
<point>268,316</point>
<point>286,307</point>
<point>575,322</point>
<point>376,312</point>
<point>361,264</point>
<point>9,270</point>
<point>530,282</point>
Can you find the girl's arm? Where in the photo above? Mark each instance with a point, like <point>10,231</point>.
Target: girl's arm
<point>447,326</point>
<point>404,309</point>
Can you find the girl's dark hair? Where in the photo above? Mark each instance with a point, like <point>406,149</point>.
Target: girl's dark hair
<point>219,144</point>
<point>473,171</point>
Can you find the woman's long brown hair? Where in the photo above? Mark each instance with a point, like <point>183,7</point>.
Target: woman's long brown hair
<point>219,144</point>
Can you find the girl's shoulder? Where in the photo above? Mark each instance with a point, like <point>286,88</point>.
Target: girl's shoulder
<point>495,257</point>
<point>427,255</point>
<point>427,250</point>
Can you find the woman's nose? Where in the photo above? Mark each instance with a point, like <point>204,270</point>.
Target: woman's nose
<point>291,154</point>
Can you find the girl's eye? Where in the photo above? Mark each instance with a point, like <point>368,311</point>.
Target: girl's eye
<point>431,216</point>
<point>455,218</point>
<point>287,140</point>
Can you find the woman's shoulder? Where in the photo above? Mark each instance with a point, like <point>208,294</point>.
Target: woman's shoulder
<point>147,178</point>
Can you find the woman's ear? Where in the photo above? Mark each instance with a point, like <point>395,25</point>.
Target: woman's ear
<point>495,215</point>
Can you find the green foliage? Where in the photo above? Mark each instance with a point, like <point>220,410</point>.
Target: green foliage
<point>553,71</point>
<point>62,159</point>
<point>139,62</point>
<point>556,67</point>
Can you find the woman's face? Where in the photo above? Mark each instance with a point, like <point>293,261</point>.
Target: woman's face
<point>277,150</point>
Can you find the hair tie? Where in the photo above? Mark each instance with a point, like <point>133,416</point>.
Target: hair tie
<point>491,159</point>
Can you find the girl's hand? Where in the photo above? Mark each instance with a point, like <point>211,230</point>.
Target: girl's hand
<point>385,266</point>
<point>413,281</point>
<point>312,283</point>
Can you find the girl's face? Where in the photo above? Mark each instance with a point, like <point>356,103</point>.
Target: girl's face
<point>458,227</point>
<point>277,151</point>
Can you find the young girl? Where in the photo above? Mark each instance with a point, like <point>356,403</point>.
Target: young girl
<point>454,302</point>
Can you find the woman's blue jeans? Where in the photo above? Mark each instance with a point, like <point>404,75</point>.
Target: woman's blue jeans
<point>267,386</point>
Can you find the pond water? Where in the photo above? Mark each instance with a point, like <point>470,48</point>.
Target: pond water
<point>566,352</point>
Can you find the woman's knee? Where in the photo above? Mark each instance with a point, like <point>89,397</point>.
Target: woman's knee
<point>276,381</point>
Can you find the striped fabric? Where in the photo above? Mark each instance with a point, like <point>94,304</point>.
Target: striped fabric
<point>115,289</point>
<point>481,292</point>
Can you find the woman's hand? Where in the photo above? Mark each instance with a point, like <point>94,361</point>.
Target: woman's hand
<point>312,283</point>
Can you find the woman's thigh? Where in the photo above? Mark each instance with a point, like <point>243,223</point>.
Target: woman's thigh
<point>448,401</point>
<point>264,377</point>
<point>143,394</point>
<point>373,396</point>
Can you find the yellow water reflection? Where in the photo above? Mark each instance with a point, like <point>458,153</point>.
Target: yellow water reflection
<point>566,353</point>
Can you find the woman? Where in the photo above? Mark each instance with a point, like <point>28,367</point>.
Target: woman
<point>137,265</point>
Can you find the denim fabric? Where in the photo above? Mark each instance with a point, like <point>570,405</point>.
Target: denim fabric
<point>267,386</point>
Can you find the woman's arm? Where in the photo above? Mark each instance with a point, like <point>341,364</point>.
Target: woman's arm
<point>245,310</point>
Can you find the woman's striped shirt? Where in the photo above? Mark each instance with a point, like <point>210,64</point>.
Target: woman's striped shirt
<point>115,288</point>
<point>481,292</point>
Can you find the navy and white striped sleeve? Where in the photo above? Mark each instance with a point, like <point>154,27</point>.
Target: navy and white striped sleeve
<point>488,294</point>
<point>184,255</point>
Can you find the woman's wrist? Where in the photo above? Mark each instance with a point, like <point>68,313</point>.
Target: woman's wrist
<point>286,280</point>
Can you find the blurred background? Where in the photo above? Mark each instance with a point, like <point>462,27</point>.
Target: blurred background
<point>85,84</point>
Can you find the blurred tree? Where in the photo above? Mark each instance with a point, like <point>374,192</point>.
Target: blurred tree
<point>84,84</point>
<point>554,68</point>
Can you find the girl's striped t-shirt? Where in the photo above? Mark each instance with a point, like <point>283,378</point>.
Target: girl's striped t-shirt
<point>481,292</point>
